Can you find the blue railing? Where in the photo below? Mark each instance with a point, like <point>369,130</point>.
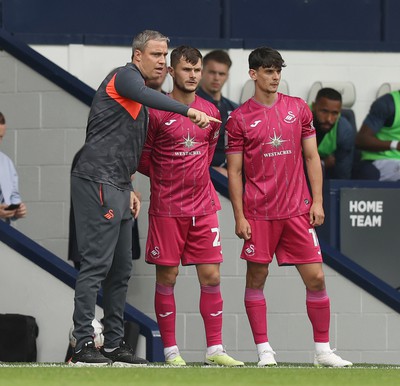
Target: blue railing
<point>46,68</point>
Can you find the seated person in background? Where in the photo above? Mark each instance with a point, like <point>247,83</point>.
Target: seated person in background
<point>335,135</point>
<point>9,193</point>
<point>216,65</point>
<point>379,138</point>
<point>156,84</point>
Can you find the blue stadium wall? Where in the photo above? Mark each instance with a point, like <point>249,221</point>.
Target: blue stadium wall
<point>356,25</point>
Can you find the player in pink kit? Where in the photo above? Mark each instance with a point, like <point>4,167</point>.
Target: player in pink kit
<point>183,223</point>
<point>268,136</point>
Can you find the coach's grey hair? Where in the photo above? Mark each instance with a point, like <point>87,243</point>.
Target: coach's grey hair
<point>140,40</point>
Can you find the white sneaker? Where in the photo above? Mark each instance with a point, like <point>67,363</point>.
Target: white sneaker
<point>330,359</point>
<point>267,358</point>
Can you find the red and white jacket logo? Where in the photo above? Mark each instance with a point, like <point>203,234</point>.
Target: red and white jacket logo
<point>109,215</point>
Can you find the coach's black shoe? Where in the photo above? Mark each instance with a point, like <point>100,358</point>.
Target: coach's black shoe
<point>89,355</point>
<point>124,356</point>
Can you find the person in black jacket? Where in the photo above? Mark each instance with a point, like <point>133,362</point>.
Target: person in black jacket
<point>103,200</point>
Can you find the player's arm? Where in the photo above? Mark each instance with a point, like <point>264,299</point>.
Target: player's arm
<point>130,84</point>
<point>314,172</point>
<point>214,135</point>
<point>145,158</point>
<point>235,186</point>
<point>144,163</point>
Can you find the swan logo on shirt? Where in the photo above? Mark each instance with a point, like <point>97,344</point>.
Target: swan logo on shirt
<point>290,117</point>
<point>170,122</point>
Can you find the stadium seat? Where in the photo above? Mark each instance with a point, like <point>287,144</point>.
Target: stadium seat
<point>347,90</point>
<point>248,90</point>
<point>386,88</point>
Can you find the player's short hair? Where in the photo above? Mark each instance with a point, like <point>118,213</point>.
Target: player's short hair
<point>219,56</point>
<point>329,93</point>
<point>141,39</point>
<point>265,57</point>
<point>190,54</point>
<point>2,119</point>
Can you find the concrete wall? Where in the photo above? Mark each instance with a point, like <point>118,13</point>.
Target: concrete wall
<point>362,328</point>
<point>367,70</point>
<point>46,127</point>
<point>29,290</point>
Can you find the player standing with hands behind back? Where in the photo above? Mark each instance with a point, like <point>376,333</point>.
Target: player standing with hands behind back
<point>275,214</point>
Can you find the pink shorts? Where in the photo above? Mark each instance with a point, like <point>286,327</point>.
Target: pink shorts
<point>292,240</point>
<point>186,240</point>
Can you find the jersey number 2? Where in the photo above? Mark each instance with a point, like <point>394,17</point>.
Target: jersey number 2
<point>216,242</point>
<point>314,236</point>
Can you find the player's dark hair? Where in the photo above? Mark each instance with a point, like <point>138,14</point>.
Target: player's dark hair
<point>190,54</point>
<point>2,119</point>
<point>265,57</point>
<point>141,39</point>
<point>329,93</point>
<point>219,56</point>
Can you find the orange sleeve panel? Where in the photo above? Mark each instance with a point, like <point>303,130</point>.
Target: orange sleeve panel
<point>129,105</point>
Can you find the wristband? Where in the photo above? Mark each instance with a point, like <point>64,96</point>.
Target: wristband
<point>393,145</point>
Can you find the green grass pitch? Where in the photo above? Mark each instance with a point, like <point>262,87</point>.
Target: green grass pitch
<point>285,374</point>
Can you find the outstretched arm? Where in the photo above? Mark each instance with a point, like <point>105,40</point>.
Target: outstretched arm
<point>200,119</point>
<point>130,84</point>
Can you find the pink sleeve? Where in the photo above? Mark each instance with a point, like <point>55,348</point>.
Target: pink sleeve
<point>214,135</point>
<point>308,129</point>
<point>145,158</point>
<point>235,136</point>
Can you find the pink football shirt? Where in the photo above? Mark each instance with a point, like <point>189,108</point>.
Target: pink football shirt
<point>270,138</point>
<point>176,156</point>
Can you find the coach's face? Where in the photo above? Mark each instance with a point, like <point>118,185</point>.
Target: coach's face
<point>151,61</point>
